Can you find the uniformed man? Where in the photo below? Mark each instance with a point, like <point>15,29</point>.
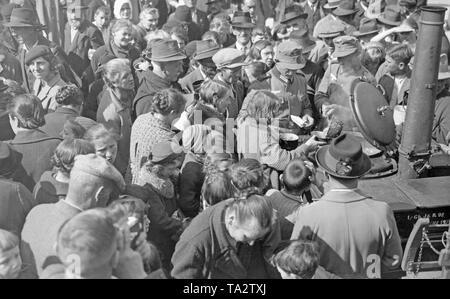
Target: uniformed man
<point>333,94</point>
<point>288,81</point>
<point>357,235</point>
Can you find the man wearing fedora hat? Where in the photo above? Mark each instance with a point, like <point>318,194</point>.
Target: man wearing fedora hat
<point>206,69</point>
<point>167,61</point>
<point>294,18</point>
<point>333,94</point>
<point>242,27</point>
<point>358,235</point>
<point>26,29</point>
<point>81,37</point>
<point>368,28</point>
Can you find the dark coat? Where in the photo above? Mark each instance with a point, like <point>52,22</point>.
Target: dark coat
<point>313,17</point>
<point>206,250</point>
<point>88,37</point>
<point>190,184</point>
<point>54,121</point>
<point>49,190</point>
<point>164,231</point>
<point>150,84</point>
<point>202,21</point>
<point>108,52</point>
<point>36,149</point>
<point>65,70</point>
<point>15,203</point>
<point>10,66</point>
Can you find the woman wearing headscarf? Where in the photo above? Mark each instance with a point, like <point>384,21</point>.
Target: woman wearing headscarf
<point>127,9</point>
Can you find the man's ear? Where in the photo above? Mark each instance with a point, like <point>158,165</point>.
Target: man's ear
<point>401,65</point>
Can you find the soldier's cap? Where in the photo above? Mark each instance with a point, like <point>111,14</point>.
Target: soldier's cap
<point>229,58</point>
<point>36,52</point>
<point>98,166</point>
<point>330,29</point>
<point>345,46</point>
<point>289,55</point>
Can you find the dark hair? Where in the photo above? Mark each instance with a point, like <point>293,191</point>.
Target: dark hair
<point>296,176</point>
<point>28,110</point>
<point>217,187</point>
<point>247,176</point>
<point>255,206</point>
<point>300,258</point>
<point>167,100</point>
<point>255,51</point>
<point>179,32</point>
<point>67,150</point>
<point>12,90</point>
<point>69,95</point>
<point>401,53</point>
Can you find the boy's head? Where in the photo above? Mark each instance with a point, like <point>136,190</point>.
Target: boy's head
<point>296,177</point>
<point>299,260</point>
<point>10,260</point>
<point>102,16</point>
<point>398,58</point>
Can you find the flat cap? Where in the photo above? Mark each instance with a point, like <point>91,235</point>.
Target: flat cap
<point>98,166</point>
<point>229,58</point>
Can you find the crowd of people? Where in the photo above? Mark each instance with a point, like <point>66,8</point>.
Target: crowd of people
<point>174,139</point>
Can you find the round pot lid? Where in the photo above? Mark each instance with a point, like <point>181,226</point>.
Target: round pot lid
<point>373,115</point>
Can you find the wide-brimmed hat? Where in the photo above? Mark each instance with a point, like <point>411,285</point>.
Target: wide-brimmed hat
<point>23,17</point>
<point>242,20</point>
<point>165,151</point>
<point>293,12</point>
<point>391,16</point>
<point>290,56</point>
<point>9,160</point>
<point>331,4</point>
<point>229,58</point>
<point>444,71</point>
<point>367,27</point>
<point>206,49</point>
<point>345,46</point>
<point>302,39</point>
<point>167,50</point>
<point>344,158</point>
<point>345,8</point>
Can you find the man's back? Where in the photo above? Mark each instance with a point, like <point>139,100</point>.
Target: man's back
<point>39,235</point>
<point>358,236</point>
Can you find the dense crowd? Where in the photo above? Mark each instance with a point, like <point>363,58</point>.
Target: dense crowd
<point>199,139</point>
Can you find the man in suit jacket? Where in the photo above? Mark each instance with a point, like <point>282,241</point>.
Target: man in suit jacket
<point>92,184</point>
<point>81,36</point>
<point>357,235</point>
<point>314,10</point>
<point>198,17</point>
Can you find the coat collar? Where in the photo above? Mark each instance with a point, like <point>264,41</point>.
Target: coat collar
<point>31,136</point>
<point>66,111</point>
<point>345,196</point>
<point>298,199</point>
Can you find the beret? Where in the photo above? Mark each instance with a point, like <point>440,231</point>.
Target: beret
<point>36,52</point>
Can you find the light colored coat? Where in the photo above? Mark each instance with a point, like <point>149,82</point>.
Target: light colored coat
<point>358,236</point>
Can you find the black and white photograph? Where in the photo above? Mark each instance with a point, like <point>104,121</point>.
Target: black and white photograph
<point>225,144</point>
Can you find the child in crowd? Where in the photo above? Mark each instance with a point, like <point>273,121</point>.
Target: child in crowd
<point>10,261</point>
